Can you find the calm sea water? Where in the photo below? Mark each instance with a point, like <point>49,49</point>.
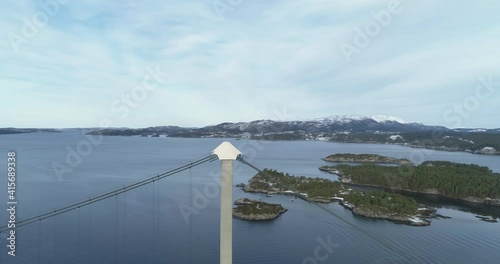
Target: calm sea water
<point>147,226</point>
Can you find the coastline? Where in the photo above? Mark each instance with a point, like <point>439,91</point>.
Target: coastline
<point>497,153</point>
<point>420,217</point>
<point>436,148</point>
<point>365,158</point>
<point>473,200</point>
<point>444,149</point>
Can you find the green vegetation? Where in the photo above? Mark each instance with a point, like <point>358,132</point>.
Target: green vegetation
<point>272,180</point>
<point>441,177</point>
<point>259,208</point>
<point>360,138</point>
<point>279,136</point>
<point>6,131</point>
<point>383,202</point>
<point>439,138</point>
<point>364,158</point>
<point>318,189</point>
<point>471,141</point>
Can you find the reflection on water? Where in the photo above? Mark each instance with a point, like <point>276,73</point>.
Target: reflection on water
<point>146,226</point>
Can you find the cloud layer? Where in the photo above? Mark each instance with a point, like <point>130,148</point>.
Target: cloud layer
<point>243,60</point>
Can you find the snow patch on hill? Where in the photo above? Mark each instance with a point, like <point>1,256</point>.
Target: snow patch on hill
<point>350,118</point>
<point>386,118</point>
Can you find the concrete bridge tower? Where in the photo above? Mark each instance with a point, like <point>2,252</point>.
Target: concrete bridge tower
<point>226,153</point>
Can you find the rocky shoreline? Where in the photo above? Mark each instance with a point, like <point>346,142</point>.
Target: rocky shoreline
<point>253,210</point>
<point>486,201</point>
<point>421,217</point>
<point>320,199</point>
<point>482,151</point>
<point>366,158</point>
<point>347,180</point>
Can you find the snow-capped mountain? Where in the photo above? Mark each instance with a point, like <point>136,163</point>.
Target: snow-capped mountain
<point>350,118</point>
<point>330,124</point>
<point>347,129</point>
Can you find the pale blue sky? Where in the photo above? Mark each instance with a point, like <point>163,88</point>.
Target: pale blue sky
<point>246,62</point>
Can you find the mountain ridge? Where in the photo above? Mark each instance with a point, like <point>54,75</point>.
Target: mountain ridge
<point>343,129</point>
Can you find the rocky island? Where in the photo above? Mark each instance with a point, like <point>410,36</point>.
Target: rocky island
<point>252,210</point>
<point>381,205</point>
<point>365,158</point>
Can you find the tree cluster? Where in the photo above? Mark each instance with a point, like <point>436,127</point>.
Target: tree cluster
<point>383,202</point>
<point>446,178</point>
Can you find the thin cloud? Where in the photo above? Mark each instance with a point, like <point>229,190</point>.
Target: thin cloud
<point>262,57</point>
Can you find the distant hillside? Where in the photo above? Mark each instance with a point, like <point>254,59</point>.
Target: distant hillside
<point>270,128</point>
<point>332,124</point>
<point>5,131</point>
<point>474,142</point>
<point>477,130</point>
<point>150,131</point>
<point>348,129</point>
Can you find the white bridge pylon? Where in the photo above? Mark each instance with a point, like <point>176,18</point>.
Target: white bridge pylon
<point>226,153</point>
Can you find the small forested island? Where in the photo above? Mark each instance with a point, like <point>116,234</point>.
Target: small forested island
<point>382,205</point>
<point>365,158</point>
<point>467,182</point>
<point>248,209</point>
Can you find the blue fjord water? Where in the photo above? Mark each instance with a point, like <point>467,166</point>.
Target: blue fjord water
<point>146,225</point>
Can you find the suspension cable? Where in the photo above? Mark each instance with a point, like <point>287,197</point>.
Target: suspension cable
<point>39,242</point>
<point>190,225</point>
<point>116,229</point>
<point>78,233</point>
<point>109,194</point>
<point>153,219</point>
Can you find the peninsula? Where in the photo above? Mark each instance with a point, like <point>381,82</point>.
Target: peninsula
<point>365,158</point>
<point>466,182</point>
<point>381,205</point>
